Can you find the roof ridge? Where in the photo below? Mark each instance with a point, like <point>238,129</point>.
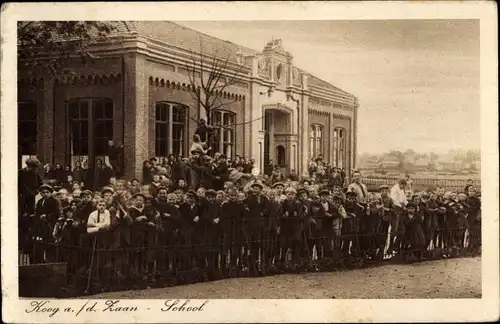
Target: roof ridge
<point>213,37</point>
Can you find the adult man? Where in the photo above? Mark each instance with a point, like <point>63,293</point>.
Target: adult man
<point>28,183</point>
<point>358,188</point>
<point>255,218</point>
<point>398,194</point>
<point>399,200</point>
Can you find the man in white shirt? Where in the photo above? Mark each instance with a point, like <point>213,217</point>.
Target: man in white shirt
<point>100,219</point>
<point>358,187</point>
<point>398,194</point>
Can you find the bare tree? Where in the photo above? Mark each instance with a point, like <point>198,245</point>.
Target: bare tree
<point>210,76</point>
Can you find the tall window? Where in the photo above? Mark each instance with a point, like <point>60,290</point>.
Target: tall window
<point>27,130</point>
<point>339,144</point>
<point>223,139</point>
<point>316,140</point>
<point>170,125</point>
<point>103,125</point>
<point>91,127</point>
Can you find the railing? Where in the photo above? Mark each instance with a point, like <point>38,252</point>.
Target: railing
<point>109,261</point>
<point>419,184</point>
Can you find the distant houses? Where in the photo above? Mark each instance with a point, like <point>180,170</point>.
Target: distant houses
<point>411,161</point>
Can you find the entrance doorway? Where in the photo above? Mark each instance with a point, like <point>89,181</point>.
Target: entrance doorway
<point>277,131</point>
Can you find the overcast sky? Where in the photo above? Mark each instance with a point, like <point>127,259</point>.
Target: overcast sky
<point>417,80</point>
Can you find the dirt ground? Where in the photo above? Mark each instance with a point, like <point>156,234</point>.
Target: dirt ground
<point>452,278</point>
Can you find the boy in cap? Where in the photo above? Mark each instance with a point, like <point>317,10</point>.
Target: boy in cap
<point>414,239</point>
<point>169,223</point>
<point>350,224</point>
<point>325,219</point>
<point>256,212</point>
<point>279,187</point>
<point>137,214</point>
<point>232,224</point>
<point>192,232</point>
<point>211,221</point>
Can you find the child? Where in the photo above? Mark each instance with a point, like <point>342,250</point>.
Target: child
<point>291,226</point>
<point>350,224</point>
<point>99,220</point>
<point>232,223</point>
<point>134,187</point>
<point>168,226</point>
<point>414,239</point>
<point>271,230</point>
<point>153,188</point>
<point>57,233</point>
<point>212,219</point>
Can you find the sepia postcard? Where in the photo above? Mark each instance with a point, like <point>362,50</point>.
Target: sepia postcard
<point>245,162</point>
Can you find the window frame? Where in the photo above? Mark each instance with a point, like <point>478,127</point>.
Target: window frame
<point>169,138</point>
<point>218,141</point>
<point>91,119</point>
<point>316,140</point>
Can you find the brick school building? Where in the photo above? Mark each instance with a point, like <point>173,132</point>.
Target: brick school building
<point>137,93</point>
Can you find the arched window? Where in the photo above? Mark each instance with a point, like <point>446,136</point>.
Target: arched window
<point>339,145</point>
<point>170,129</point>
<point>223,139</point>
<point>27,130</point>
<point>316,140</point>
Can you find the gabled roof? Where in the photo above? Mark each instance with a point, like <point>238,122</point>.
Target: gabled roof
<point>187,38</point>
<point>183,37</point>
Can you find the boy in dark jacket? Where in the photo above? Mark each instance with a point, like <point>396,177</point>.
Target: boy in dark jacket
<point>350,224</point>
<point>232,224</point>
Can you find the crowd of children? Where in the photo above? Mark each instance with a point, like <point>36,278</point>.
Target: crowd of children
<point>207,213</point>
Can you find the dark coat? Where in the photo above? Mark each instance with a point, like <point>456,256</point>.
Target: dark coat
<point>232,222</point>
<point>414,234</point>
<point>221,173</point>
<point>205,174</point>
<point>291,222</point>
<point>256,215</point>
<point>191,230</point>
<point>179,172</point>
<point>51,209</point>
<point>28,184</point>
